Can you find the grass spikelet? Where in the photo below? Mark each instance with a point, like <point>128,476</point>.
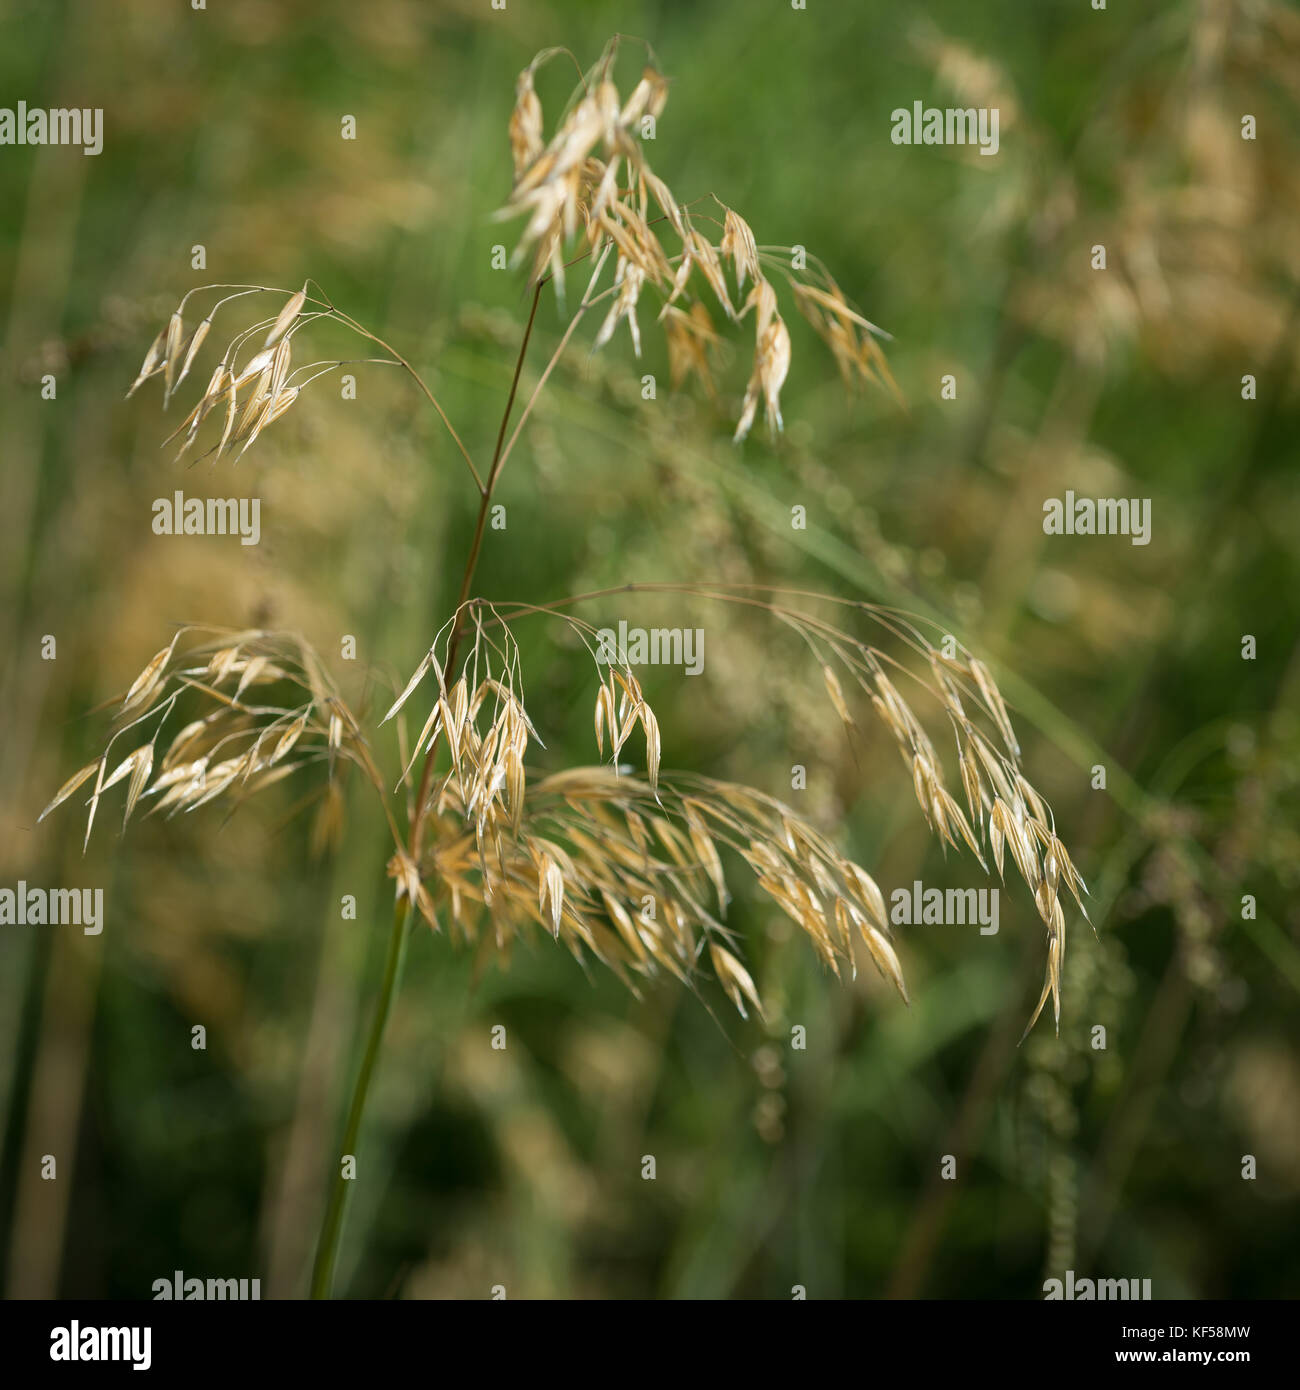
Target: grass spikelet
<point>171,355</point>
<point>735,979</point>
<point>152,363</point>
<point>285,317</point>
<point>66,790</point>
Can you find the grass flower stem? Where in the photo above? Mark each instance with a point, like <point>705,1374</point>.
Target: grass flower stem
<point>475,549</point>
<point>322,1279</point>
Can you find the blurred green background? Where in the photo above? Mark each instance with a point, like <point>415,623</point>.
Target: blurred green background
<point>775,1167</point>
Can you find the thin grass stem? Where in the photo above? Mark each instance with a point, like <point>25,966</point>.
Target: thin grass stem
<point>322,1279</point>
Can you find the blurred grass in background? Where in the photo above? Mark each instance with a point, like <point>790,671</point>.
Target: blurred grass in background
<point>774,1167</point>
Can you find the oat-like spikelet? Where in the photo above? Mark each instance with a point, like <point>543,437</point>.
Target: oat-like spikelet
<point>525,122</point>
<point>690,337</point>
<point>192,348</point>
<point>738,244</point>
<point>235,745</point>
<point>152,363</point>
<point>285,317</point>
<point>629,278</point>
<point>771,361</point>
<point>851,338</point>
<point>172,349</point>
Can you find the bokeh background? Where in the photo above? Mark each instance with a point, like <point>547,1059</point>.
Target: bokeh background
<point>774,1167</point>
